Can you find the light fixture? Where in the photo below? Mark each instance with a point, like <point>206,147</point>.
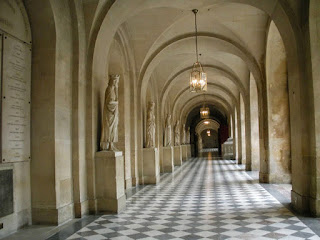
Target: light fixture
<point>208,132</point>
<point>206,122</point>
<point>198,78</point>
<point>204,112</point>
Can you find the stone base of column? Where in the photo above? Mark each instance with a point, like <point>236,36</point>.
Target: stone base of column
<point>135,181</point>
<point>184,152</point>
<point>279,178</point>
<point>92,206</point>
<point>177,156</point>
<point>300,203</point>
<point>128,184</point>
<point>151,166</point>
<point>248,167</point>
<point>110,181</point>
<point>168,161</point>
<point>263,177</point>
<point>81,208</point>
<point>315,207</point>
<point>56,216</point>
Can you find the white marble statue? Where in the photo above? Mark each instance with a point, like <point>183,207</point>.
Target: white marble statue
<point>177,134</point>
<point>188,136</point>
<point>200,144</point>
<point>183,137</point>
<point>167,133</point>
<point>110,117</point>
<point>151,126</point>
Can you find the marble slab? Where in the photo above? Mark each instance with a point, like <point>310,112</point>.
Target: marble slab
<point>15,95</point>
<point>6,192</point>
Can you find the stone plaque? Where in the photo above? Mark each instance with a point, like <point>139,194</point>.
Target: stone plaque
<point>15,115</point>
<point>6,192</point>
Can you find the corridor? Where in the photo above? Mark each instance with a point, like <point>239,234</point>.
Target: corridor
<point>203,199</point>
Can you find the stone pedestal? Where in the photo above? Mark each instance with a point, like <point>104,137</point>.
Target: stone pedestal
<point>184,152</point>
<point>227,149</point>
<point>110,182</point>
<point>177,156</point>
<point>151,166</point>
<point>189,151</point>
<point>168,160</point>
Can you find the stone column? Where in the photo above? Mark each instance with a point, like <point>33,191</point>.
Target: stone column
<point>243,130</point>
<point>247,134</point>
<point>278,109</point>
<point>238,134</point>
<point>255,138</point>
<point>314,29</point>
<point>234,136</point>
<point>51,113</point>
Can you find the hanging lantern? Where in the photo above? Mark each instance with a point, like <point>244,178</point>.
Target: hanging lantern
<point>209,133</point>
<point>198,78</point>
<point>204,112</point>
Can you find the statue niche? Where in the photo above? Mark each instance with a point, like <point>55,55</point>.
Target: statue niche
<point>151,126</point>
<point>110,117</point>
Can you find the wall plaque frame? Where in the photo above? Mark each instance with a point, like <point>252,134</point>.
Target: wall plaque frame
<point>15,104</point>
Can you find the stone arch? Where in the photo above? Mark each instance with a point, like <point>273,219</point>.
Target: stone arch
<point>15,20</point>
<point>223,89</point>
<point>290,31</point>
<point>202,125</point>
<point>197,101</point>
<point>226,45</point>
<point>224,72</point>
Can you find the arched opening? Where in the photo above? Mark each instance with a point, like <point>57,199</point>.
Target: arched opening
<point>262,91</point>
<point>218,126</point>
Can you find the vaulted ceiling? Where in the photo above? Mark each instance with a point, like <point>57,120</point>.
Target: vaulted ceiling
<point>163,44</point>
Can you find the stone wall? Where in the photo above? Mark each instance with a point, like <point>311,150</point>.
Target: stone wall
<point>14,25</point>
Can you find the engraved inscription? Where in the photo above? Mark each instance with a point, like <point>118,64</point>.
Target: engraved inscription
<point>15,101</point>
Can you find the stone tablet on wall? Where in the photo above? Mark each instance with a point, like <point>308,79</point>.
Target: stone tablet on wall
<point>15,94</point>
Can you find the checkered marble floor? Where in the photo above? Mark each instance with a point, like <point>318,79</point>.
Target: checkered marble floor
<point>205,199</point>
